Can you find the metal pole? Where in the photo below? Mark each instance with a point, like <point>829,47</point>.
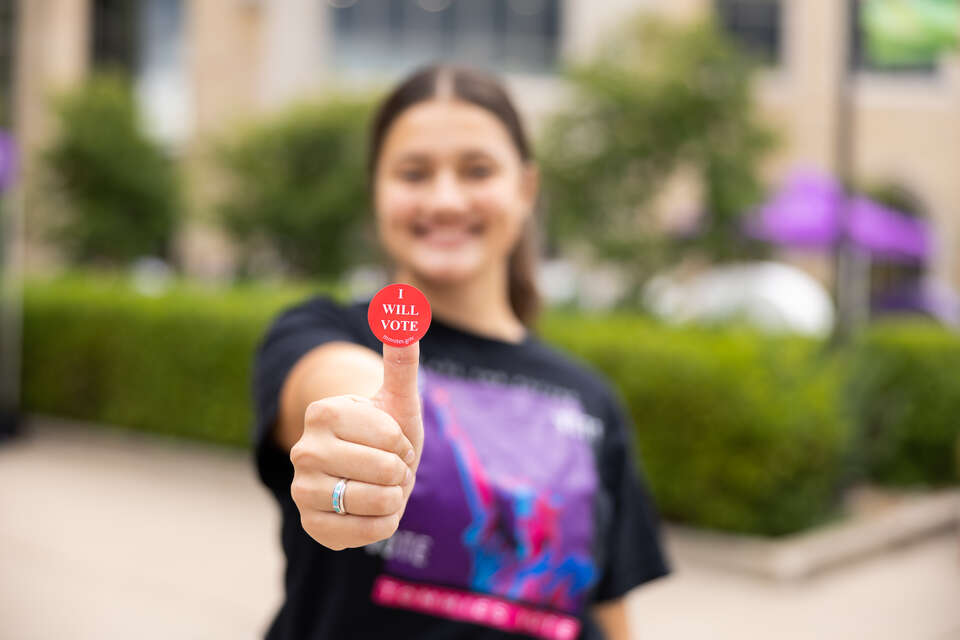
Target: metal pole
<point>851,262</point>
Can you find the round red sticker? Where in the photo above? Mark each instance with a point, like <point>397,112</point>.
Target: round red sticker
<point>399,315</point>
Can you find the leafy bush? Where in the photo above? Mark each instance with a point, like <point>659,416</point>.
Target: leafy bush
<point>120,189</point>
<point>736,431</point>
<point>176,364</point>
<point>904,390</point>
<point>658,97</point>
<point>296,184</point>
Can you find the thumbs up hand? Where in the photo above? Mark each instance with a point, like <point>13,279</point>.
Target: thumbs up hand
<point>374,443</point>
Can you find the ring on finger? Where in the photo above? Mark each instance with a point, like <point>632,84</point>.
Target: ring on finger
<point>338,492</point>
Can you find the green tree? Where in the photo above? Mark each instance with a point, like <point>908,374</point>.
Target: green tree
<point>120,188</point>
<point>657,96</point>
<point>296,183</point>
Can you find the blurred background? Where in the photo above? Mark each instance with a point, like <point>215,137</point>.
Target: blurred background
<point>750,221</point>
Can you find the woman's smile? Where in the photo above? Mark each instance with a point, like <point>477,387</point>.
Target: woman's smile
<point>445,236</point>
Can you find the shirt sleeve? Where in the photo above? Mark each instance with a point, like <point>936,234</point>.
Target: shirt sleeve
<point>635,553</point>
<point>291,335</point>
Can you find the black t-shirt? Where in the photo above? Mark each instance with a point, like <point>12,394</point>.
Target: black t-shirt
<point>528,507</point>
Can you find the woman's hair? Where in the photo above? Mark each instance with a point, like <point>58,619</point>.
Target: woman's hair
<point>483,90</point>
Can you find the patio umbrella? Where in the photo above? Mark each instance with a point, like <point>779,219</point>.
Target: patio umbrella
<point>811,211</point>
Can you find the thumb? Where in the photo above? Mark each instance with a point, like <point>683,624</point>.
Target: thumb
<point>399,395</point>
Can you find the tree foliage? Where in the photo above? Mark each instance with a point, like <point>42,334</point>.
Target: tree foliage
<point>296,184</point>
<point>120,189</point>
<point>656,97</point>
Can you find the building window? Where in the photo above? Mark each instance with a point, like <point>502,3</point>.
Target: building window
<point>755,24</point>
<point>144,39</point>
<point>396,35</point>
<point>901,36</point>
<point>7,57</point>
<point>114,34</point>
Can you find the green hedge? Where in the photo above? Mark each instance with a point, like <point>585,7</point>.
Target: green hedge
<point>177,364</point>
<point>736,431</point>
<point>904,390</point>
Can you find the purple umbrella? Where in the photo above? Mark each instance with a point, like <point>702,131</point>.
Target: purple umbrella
<point>807,212</point>
<point>8,161</point>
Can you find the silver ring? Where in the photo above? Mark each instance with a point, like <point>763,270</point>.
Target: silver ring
<point>338,492</point>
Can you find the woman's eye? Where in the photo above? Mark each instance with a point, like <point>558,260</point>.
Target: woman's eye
<point>479,171</point>
<point>413,175</point>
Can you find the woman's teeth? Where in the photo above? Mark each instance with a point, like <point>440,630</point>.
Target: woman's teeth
<point>447,234</point>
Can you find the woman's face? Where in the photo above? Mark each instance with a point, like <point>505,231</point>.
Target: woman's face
<point>451,191</point>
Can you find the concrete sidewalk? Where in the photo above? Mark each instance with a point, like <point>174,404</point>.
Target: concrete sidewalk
<point>105,534</point>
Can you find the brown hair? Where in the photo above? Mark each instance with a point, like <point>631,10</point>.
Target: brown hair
<point>483,90</point>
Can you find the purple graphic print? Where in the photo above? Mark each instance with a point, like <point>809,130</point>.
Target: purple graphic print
<point>504,497</point>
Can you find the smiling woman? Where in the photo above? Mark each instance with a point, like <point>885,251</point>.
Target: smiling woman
<point>455,197</point>
<point>485,482</point>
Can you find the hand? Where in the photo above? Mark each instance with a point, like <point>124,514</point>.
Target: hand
<point>373,442</point>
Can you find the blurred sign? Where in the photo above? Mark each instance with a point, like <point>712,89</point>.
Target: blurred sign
<point>8,161</point>
<point>909,32</point>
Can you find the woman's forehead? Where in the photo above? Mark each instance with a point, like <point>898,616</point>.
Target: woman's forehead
<point>446,127</point>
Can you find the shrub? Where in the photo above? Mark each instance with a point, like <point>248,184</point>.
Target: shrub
<point>736,431</point>
<point>657,98</point>
<point>904,390</point>
<point>296,184</point>
<point>176,364</point>
<point>120,189</point>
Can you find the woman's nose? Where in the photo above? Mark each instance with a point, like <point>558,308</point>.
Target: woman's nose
<point>447,193</point>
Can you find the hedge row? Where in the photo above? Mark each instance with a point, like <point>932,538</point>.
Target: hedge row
<point>176,364</point>
<point>736,431</point>
<point>904,390</point>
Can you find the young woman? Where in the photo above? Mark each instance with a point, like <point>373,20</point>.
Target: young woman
<point>490,486</point>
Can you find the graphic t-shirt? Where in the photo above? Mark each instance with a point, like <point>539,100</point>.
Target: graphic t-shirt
<point>528,506</point>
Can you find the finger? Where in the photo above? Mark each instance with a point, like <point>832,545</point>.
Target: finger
<point>344,531</point>
<point>399,395</point>
<point>359,498</point>
<point>400,368</point>
<point>345,459</point>
<point>363,423</point>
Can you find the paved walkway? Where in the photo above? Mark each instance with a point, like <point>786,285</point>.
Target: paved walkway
<point>108,535</point>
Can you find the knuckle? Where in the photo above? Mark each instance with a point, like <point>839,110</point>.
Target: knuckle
<point>394,500</point>
<point>380,527</point>
<point>306,453</point>
<point>391,471</point>
<point>320,412</point>
<point>366,528</point>
<point>388,500</point>
<point>310,522</point>
<point>384,474</point>
<point>398,438</point>
<point>392,522</point>
<point>395,436</point>
<point>295,451</point>
<point>298,453</point>
<point>297,491</point>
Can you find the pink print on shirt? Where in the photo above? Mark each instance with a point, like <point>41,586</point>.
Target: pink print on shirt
<point>502,505</point>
